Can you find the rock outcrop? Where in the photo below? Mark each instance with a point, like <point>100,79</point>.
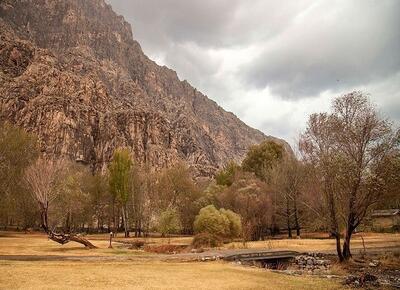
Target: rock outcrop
<point>72,73</point>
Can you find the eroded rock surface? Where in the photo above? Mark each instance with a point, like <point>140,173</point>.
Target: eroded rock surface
<point>71,72</point>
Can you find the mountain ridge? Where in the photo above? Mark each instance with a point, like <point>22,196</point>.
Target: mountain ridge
<point>107,91</point>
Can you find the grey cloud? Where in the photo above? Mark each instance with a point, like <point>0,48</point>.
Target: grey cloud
<point>280,129</point>
<point>208,23</point>
<point>298,51</point>
<point>386,95</point>
<point>158,22</point>
<point>190,61</point>
<point>331,49</point>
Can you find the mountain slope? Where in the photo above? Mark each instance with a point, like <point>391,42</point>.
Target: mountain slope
<point>72,73</point>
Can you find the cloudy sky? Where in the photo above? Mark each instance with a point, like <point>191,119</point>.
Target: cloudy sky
<point>273,63</point>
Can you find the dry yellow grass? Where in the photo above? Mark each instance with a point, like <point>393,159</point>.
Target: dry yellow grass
<point>152,274</point>
<point>372,240</point>
<point>187,240</point>
<point>145,275</point>
<point>38,244</point>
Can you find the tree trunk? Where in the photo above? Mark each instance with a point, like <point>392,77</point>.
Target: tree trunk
<point>60,238</point>
<point>346,245</point>
<point>43,216</point>
<point>140,228</point>
<point>289,231</point>
<point>296,217</point>
<point>125,221</point>
<point>68,222</point>
<point>273,225</point>
<point>114,218</point>
<point>66,238</point>
<point>350,224</point>
<point>288,218</point>
<point>136,228</point>
<point>334,224</point>
<point>120,220</point>
<point>338,247</point>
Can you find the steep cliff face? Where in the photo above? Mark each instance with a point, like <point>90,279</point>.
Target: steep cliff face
<point>72,73</point>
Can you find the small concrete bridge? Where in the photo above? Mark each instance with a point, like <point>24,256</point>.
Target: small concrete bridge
<point>260,255</point>
<point>264,258</point>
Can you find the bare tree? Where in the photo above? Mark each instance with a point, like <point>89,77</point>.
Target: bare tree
<point>348,149</point>
<point>287,180</point>
<point>42,178</point>
<point>251,198</point>
<point>176,189</point>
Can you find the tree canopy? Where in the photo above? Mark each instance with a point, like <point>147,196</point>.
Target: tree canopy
<point>262,157</point>
<point>349,148</point>
<point>221,223</point>
<point>120,184</point>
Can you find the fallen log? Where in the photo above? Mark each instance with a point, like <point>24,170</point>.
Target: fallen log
<point>66,238</point>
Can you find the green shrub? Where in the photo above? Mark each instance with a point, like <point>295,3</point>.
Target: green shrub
<point>226,175</point>
<point>235,222</point>
<point>210,220</point>
<point>222,223</point>
<point>169,222</point>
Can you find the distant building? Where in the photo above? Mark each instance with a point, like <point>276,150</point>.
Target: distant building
<point>388,219</point>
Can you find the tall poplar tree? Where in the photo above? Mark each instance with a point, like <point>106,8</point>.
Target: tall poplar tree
<point>120,185</point>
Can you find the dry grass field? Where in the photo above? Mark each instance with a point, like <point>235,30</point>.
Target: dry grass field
<point>371,240</point>
<point>145,273</point>
<point>132,274</point>
<point>38,244</point>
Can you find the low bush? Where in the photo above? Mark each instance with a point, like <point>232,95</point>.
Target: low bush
<point>135,245</point>
<point>166,249</point>
<point>206,240</point>
<point>222,223</point>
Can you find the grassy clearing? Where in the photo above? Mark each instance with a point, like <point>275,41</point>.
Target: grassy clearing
<point>152,273</point>
<point>145,275</point>
<point>372,240</point>
<point>311,242</point>
<point>38,244</point>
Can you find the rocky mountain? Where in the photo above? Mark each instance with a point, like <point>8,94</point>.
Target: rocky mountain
<point>72,73</point>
